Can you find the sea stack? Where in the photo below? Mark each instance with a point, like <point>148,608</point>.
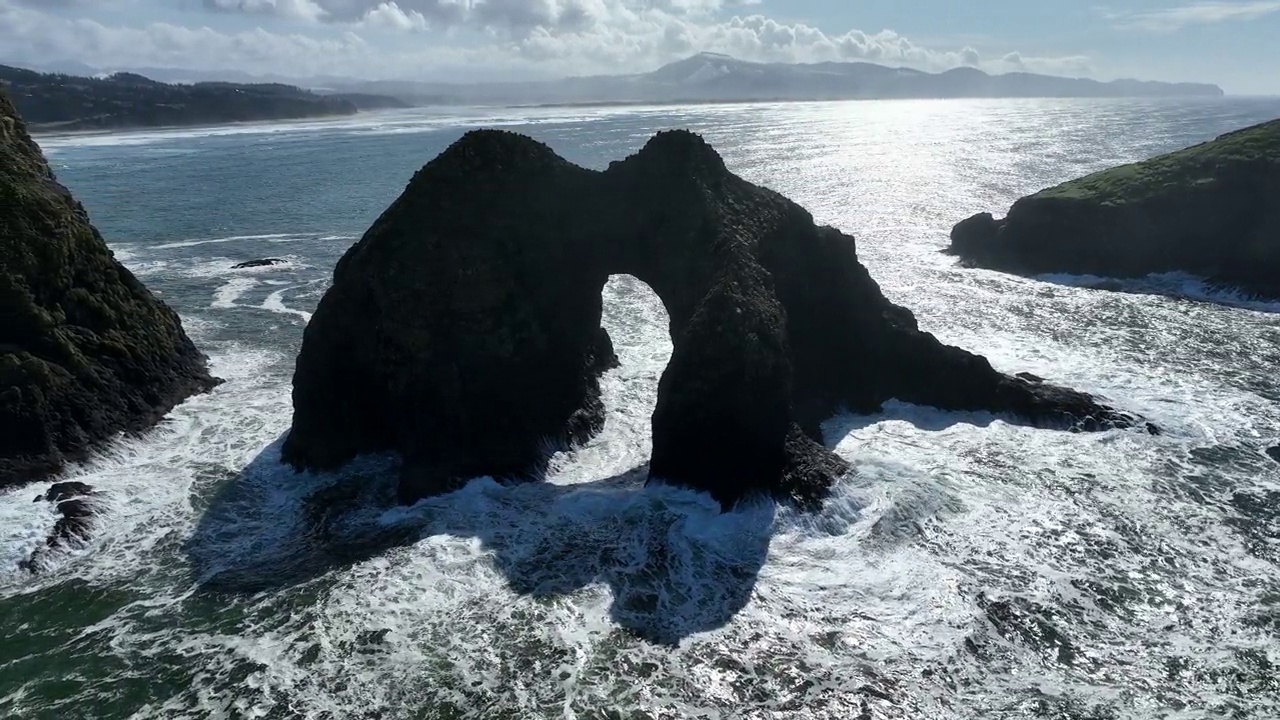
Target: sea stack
<point>1212,210</point>
<point>86,352</point>
<point>463,330</point>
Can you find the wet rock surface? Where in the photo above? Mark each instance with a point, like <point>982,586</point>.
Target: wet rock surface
<point>76,509</point>
<point>262,262</point>
<point>86,351</point>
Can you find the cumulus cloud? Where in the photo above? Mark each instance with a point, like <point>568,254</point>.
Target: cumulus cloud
<point>1071,65</point>
<point>466,39</point>
<point>1209,12</point>
<point>28,33</point>
<point>389,15</point>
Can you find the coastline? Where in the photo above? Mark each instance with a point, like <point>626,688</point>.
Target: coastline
<point>54,130</point>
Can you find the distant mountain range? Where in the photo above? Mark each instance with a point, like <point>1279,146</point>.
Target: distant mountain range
<point>710,77</point>
<point>50,101</point>
<point>130,99</point>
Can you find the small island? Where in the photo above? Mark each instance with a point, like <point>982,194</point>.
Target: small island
<point>67,103</point>
<point>1212,210</point>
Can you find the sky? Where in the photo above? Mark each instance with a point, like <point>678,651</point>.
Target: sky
<point>1234,43</point>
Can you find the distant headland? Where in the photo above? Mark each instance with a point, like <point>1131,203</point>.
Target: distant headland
<point>69,103</point>
<point>714,78</point>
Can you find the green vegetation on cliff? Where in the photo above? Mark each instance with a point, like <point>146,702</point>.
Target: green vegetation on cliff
<point>86,351</point>
<point>1199,164</point>
<point>67,102</point>
<point>1212,210</point>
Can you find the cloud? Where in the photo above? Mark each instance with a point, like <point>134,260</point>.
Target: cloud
<point>36,35</point>
<point>389,15</point>
<point>301,9</point>
<point>462,39</point>
<point>1070,65</point>
<point>1210,12</point>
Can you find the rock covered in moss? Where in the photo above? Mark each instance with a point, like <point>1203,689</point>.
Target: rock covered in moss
<point>86,352</point>
<point>1212,210</point>
<point>463,330</point>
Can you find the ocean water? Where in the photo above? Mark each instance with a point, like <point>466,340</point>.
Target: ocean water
<point>967,568</point>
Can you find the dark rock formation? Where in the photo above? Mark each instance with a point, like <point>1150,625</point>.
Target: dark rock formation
<point>1211,210</point>
<point>463,331</point>
<point>75,506</point>
<point>58,492</point>
<point>1274,453</point>
<point>264,262</point>
<point>86,351</point>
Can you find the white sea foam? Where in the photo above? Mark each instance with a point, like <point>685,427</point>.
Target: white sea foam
<point>194,242</point>
<point>146,483</point>
<point>231,291</point>
<point>1175,284</point>
<point>275,303</point>
<point>417,120</point>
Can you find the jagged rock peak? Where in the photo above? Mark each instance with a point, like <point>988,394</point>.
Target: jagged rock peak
<point>86,352</point>
<point>494,151</point>
<point>680,153</point>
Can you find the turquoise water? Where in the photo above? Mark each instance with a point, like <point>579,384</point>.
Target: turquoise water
<point>968,568</point>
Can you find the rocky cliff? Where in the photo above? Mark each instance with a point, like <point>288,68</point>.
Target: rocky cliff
<point>463,330</point>
<point>1212,210</point>
<point>86,352</point>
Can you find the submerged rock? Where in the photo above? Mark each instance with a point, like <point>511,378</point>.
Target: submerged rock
<point>264,262</point>
<point>65,491</point>
<point>463,331</point>
<point>86,352</point>
<point>76,509</point>
<point>1211,210</point>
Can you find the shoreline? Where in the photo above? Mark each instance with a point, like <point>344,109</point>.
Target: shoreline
<point>54,130</point>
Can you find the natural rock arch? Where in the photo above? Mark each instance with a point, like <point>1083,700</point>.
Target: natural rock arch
<point>463,331</point>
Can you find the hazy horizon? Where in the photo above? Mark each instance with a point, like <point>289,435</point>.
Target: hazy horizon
<point>178,74</point>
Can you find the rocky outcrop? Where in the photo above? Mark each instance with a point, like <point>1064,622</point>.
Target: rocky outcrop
<point>76,509</point>
<point>261,262</point>
<point>86,352</point>
<point>463,330</point>
<point>1212,210</point>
